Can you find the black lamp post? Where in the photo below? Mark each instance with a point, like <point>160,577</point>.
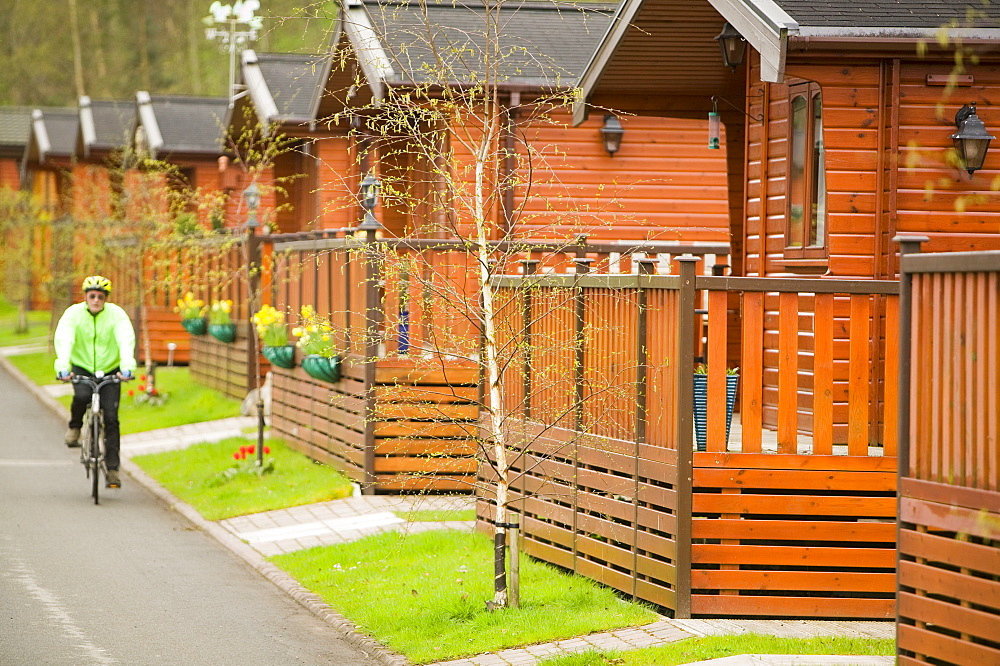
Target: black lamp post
<point>971,140</point>
<point>732,45</point>
<point>251,196</point>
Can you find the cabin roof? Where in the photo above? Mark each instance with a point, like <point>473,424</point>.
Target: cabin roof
<point>105,125</point>
<point>540,44</point>
<point>285,88</point>
<point>52,134</point>
<point>667,47</point>
<point>181,124</point>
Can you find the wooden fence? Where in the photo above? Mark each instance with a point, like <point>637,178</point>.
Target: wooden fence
<point>949,477</point>
<point>404,415</point>
<point>794,519</point>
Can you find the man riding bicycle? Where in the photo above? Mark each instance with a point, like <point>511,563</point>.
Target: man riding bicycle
<point>96,336</point>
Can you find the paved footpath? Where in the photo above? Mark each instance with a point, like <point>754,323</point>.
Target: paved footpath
<point>255,537</point>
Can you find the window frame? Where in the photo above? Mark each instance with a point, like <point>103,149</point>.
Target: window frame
<point>814,191</point>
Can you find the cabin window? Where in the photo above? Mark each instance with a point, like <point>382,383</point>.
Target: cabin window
<point>805,232</point>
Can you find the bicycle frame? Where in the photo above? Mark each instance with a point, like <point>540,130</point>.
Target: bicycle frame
<point>92,432</point>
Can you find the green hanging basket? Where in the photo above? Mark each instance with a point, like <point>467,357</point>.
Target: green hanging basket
<point>195,326</point>
<point>324,368</point>
<point>282,356</point>
<point>222,332</point>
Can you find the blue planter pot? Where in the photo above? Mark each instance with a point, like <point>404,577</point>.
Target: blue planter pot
<point>282,356</point>
<point>222,332</point>
<point>701,407</point>
<point>324,368</point>
<point>196,326</point>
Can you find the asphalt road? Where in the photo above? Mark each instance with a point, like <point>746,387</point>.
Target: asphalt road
<point>128,581</point>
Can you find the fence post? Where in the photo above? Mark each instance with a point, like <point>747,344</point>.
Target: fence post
<point>373,322</point>
<point>582,266</point>
<point>646,268</point>
<point>684,436</point>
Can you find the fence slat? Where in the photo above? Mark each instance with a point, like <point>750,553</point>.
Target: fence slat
<point>859,383</point>
<point>752,371</point>
<point>788,371</point>
<point>823,375</point>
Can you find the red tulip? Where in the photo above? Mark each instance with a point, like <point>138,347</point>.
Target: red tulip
<point>236,455</point>
<point>251,449</point>
<point>267,449</point>
<point>142,387</point>
<point>131,393</point>
<point>142,378</point>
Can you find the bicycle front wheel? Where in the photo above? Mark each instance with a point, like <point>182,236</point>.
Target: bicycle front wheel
<point>96,435</point>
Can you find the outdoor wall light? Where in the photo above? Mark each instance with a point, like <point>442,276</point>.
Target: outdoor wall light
<point>971,140</point>
<point>732,45</point>
<point>251,196</point>
<point>369,191</point>
<point>612,131</point>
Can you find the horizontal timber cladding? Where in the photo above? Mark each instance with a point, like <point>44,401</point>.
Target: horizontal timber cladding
<point>160,327</point>
<point>949,574</point>
<point>793,535</point>
<point>323,420</point>
<point>423,421</point>
<point>604,508</point>
<point>425,413</point>
<point>220,365</point>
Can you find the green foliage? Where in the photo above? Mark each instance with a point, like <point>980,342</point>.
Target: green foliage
<point>423,595</point>
<point>192,475</point>
<point>717,647</point>
<point>13,333</point>
<point>129,46</point>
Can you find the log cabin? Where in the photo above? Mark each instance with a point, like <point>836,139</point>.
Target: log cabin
<point>842,124</point>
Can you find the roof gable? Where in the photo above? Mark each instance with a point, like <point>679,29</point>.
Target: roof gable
<point>52,134</point>
<point>105,125</point>
<point>182,124</point>
<point>445,43</point>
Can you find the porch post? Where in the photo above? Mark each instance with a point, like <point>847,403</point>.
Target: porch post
<point>684,390</point>
<point>907,245</point>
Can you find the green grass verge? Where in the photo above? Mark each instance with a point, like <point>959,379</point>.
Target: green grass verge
<point>423,595</point>
<point>192,474</point>
<point>187,401</point>
<point>38,326</point>
<point>36,366</point>
<point>436,516</point>
<point>716,647</point>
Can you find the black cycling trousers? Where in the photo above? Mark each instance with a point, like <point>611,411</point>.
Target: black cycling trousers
<point>110,397</point>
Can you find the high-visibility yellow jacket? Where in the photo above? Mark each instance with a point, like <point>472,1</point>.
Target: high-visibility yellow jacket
<point>104,341</point>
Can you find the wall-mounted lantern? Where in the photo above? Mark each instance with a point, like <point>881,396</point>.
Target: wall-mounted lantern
<point>971,140</point>
<point>368,194</point>
<point>732,45</point>
<point>612,131</point>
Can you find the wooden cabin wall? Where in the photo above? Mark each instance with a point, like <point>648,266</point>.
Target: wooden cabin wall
<point>886,137</point>
<point>337,183</point>
<point>663,184</point>
<point>957,211</point>
<point>10,173</point>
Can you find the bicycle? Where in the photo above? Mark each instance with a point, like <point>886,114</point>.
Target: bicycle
<point>92,432</point>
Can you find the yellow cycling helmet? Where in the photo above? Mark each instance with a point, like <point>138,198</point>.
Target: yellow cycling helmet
<point>97,282</point>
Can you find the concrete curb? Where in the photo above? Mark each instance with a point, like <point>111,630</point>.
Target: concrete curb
<point>308,600</point>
